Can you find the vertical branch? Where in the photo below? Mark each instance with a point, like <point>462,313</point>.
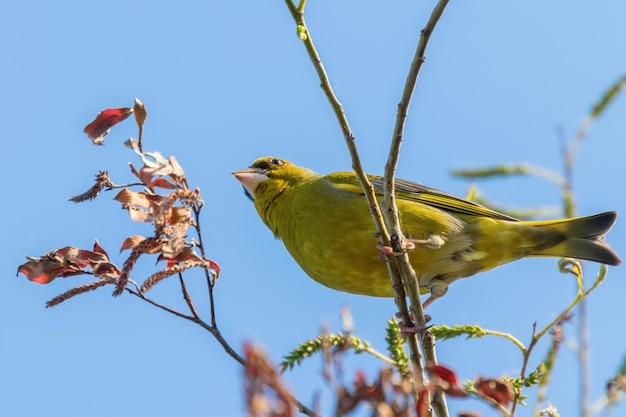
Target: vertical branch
<point>390,209</point>
<point>399,296</point>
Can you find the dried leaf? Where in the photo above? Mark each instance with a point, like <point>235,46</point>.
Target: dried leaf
<point>139,199</point>
<point>43,271</point>
<point>98,129</point>
<point>132,242</point>
<point>163,183</point>
<point>423,403</point>
<point>106,270</point>
<point>99,249</point>
<point>446,380</point>
<point>138,215</point>
<point>498,390</point>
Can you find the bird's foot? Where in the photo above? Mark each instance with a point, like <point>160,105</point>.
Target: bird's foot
<point>411,328</point>
<point>433,242</point>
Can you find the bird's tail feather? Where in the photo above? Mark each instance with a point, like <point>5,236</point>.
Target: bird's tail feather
<point>585,238</point>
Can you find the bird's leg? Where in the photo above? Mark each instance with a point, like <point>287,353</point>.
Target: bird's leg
<point>438,288</point>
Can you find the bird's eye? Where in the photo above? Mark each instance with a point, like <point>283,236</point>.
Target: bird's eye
<point>276,161</point>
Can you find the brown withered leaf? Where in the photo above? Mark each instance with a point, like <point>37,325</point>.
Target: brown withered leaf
<point>498,390</point>
<point>156,165</point>
<point>131,242</point>
<point>139,199</point>
<point>137,214</point>
<point>180,215</point>
<point>105,270</point>
<point>67,261</point>
<point>144,245</point>
<point>140,205</point>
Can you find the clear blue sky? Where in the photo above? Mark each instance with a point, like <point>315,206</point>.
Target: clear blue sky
<point>227,82</point>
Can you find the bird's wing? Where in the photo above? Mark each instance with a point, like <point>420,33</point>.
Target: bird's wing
<point>411,191</point>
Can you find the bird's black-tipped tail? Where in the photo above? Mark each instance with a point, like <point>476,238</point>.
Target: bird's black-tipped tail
<point>585,238</point>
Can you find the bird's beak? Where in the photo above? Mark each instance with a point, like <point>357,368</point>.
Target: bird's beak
<point>250,178</point>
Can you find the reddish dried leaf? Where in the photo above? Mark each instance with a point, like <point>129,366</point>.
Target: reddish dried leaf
<point>498,390</point>
<point>445,374</point>
<point>359,379</point>
<point>186,254</point>
<point>214,266</point>
<point>44,271</point>
<point>99,249</point>
<point>163,183</point>
<point>98,129</point>
<point>447,380</point>
<point>423,403</point>
<point>81,257</point>
<point>140,113</point>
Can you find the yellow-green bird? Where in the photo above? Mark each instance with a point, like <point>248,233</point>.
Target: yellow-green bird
<point>326,225</point>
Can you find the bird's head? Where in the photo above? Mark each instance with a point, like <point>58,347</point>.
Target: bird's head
<point>267,177</point>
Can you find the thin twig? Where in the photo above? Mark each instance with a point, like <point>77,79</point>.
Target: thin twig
<point>196,214</point>
<point>187,297</point>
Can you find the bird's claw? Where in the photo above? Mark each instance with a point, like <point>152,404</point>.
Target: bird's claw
<point>388,250</point>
